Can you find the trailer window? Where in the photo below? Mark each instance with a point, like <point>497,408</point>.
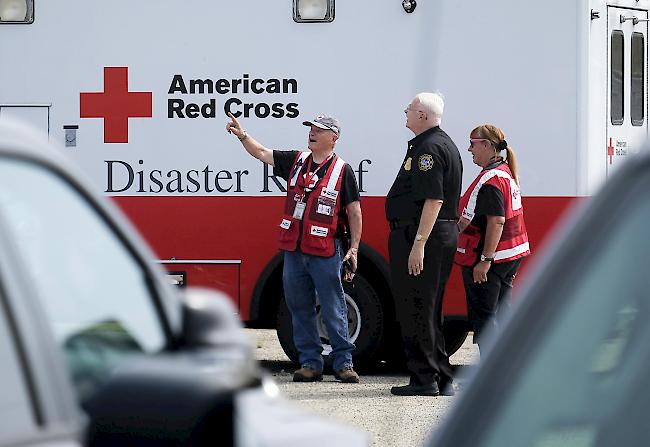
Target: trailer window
<point>637,78</point>
<point>616,78</point>
<point>16,11</point>
<point>314,11</point>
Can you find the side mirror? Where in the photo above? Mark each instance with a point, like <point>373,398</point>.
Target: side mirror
<point>210,320</point>
<point>186,396</point>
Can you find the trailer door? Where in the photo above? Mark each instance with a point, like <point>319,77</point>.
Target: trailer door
<point>37,116</point>
<point>627,111</point>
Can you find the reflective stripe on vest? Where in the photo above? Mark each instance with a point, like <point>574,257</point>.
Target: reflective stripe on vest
<point>297,167</point>
<point>512,252</point>
<point>336,173</point>
<point>469,210</point>
<point>516,245</point>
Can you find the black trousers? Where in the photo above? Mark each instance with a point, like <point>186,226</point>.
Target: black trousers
<point>485,301</point>
<point>418,300</point>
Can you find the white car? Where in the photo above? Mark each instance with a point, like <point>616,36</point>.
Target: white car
<point>97,349</point>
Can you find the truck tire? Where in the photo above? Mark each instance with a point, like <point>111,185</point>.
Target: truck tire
<point>365,324</point>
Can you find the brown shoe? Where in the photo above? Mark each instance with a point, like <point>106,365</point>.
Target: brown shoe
<point>346,375</point>
<point>307,374</point>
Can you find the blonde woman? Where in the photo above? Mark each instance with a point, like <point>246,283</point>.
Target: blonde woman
<point>493,238</point>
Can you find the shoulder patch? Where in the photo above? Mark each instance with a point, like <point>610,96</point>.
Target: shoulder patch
<point>425,162</point>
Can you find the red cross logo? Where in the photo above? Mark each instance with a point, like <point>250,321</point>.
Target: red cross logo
<point>116,104</point>
<point>610,150</point>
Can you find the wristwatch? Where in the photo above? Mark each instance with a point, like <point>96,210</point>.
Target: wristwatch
<point>485,258</point>
<point>419,237</point>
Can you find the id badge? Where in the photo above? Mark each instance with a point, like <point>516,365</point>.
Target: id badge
<point>299,210</point>
<point>325,206</point>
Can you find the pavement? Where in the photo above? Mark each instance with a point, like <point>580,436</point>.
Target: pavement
<point>389,420</point>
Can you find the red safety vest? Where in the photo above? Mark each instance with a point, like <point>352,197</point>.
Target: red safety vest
<point>514,239</point>
<point>320,218</point>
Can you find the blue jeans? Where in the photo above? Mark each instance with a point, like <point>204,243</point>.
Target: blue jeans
<point>303,277</point>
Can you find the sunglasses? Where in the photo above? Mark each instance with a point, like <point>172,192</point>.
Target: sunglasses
<point>476,140</point>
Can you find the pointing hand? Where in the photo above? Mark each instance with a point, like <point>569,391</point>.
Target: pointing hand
<point>234,127</point>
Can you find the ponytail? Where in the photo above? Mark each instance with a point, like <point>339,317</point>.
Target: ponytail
<point>512,163</point>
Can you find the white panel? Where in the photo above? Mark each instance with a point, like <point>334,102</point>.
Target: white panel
<point>502,62</point>
<point>518,65</point>
<point>36,116</point>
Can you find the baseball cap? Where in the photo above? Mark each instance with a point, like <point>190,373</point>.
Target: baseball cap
<point>325,122</point>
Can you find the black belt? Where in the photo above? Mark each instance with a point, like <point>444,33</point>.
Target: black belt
<point>400,223</point>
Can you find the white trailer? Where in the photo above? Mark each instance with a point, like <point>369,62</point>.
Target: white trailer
<point>137,94</point>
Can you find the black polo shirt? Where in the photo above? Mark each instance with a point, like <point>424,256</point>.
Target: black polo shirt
<point>432,169</point>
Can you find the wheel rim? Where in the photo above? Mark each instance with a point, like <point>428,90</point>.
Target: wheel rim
<point>354,324</point>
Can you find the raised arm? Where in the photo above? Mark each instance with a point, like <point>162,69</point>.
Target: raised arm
<point>252,146</point>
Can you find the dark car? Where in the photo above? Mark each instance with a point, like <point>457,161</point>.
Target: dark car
<point>570,367</point>
<point>96,348</point>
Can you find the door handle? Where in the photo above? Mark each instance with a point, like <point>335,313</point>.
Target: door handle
<point>634,20</point>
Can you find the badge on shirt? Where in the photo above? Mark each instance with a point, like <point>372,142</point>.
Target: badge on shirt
<point>407,165</point>
<point>319,231</point>
<point>325,206</point>
<point>330,193</point>
<point>425,162</point>
<point>299,210</point>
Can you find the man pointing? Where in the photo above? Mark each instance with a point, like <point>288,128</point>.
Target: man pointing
<point>322,203</point>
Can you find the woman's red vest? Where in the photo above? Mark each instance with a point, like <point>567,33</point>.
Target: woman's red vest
<point>514,239</point>
<point>319,222</point>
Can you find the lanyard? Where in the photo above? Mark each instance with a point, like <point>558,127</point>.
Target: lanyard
<point>313,174</point>
<point>494,164</point>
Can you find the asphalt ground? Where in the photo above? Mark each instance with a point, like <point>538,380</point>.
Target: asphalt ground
<point>389,420</point>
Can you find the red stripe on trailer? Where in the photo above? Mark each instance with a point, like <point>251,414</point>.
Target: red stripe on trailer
<point>246,229</point>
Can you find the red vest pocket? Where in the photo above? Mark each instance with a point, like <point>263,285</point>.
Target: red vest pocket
<point>288,234</point>
<point>317,241</point>
<point>466,250</point>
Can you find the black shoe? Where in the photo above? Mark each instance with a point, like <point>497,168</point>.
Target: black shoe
<point>447,388</point>
<point>416,390</point>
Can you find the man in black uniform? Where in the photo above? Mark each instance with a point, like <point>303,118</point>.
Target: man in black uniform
<point>422,210</point>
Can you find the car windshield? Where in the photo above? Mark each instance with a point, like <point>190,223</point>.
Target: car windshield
<point>93,292</point>
<point>585,380</point>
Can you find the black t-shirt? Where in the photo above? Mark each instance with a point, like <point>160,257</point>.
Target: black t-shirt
<point>489,202</point>
<point>432,169</point>
<point>284,160</point>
